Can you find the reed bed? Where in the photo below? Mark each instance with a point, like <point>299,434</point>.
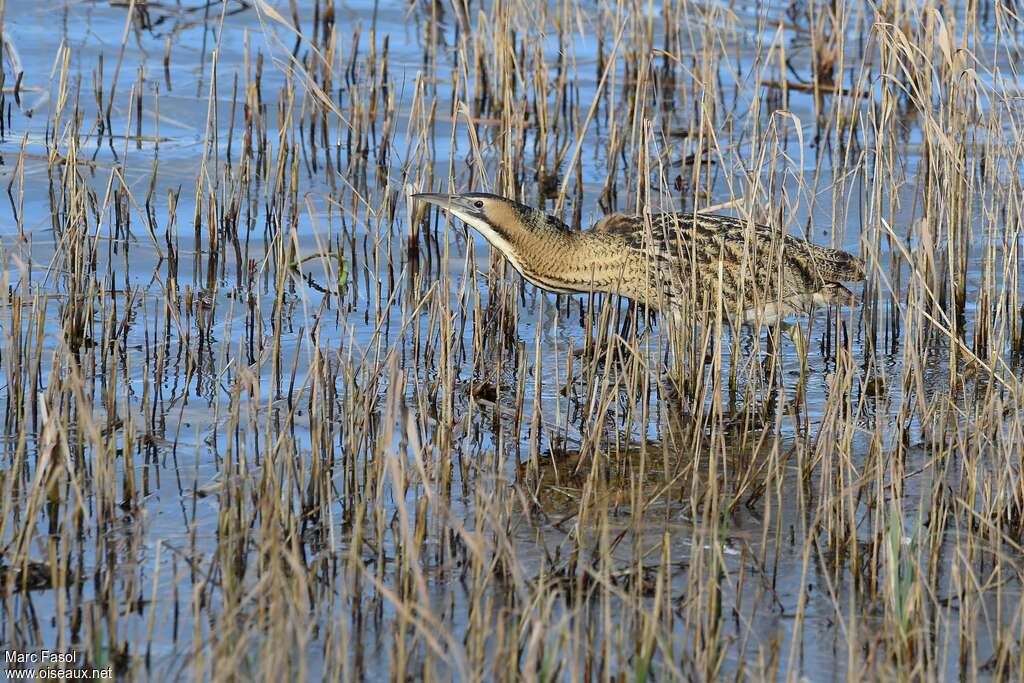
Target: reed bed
<point>264,417</point>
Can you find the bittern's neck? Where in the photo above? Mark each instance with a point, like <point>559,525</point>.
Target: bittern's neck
<point>553,258</point>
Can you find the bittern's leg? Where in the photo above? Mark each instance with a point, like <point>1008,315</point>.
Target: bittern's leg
<point>796,333</point>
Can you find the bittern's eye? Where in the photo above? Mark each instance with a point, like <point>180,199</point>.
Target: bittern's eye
<point>478,204</point>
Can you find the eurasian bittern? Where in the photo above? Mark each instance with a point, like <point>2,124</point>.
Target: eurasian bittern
<point>681,264</point>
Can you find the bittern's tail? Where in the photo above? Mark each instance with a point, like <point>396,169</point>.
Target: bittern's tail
<point>833,264</point>
<point>834,294</point>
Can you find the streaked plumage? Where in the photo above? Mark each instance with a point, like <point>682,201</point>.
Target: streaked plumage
<point>682,264</point>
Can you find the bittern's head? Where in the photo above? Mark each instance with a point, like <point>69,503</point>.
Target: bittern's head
<point>507,224</point>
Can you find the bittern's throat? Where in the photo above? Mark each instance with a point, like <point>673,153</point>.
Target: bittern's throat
<point>539,246</point>
<point>667,261</point>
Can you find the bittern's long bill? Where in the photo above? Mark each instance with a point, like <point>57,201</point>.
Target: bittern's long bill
<point>681,264</point>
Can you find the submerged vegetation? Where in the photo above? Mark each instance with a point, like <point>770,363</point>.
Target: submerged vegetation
<point>265,417</point>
